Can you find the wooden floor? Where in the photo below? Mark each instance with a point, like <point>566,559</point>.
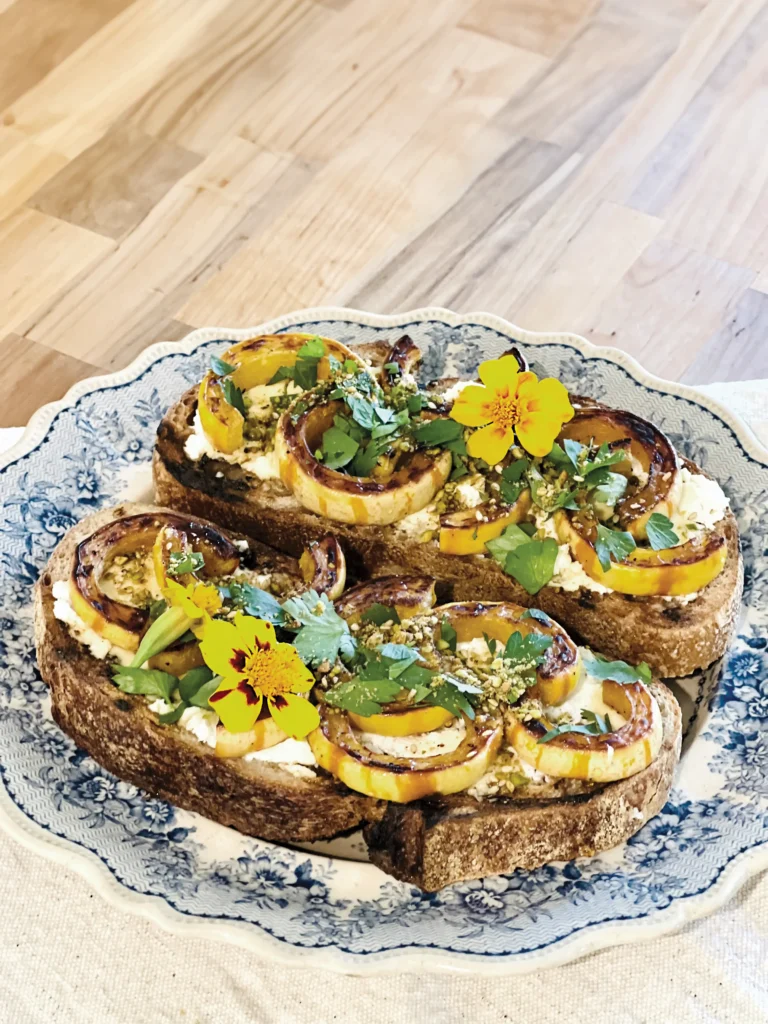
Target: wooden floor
<point>594,166</point>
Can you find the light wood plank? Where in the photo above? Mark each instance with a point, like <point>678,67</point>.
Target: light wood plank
<point>24,168</point>
<point>113,185</point>
<point>26,279</point>
<point>112,313</point>
<point>589,268</point>
<point>739,349</point>
<point>667,305</point>
<point>31,370</point>
<point>37,35</point>
<point>544,26</point>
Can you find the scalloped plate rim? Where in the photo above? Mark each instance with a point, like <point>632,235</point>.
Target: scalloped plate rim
<point>92,868</point>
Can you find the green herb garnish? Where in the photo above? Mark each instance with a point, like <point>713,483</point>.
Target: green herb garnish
<point>448,634</point>
<point>254,601</point>
<point>378,614</point>
<point>148,681</point>
<point>619,671</point>
<point>660,532</point>
<point>434,433</point>
<point>612,544</point>
<point>530,562</point>
<point>323,635</point>
<point>595,725</point>
<point>221,368</point>
<point>180,562</point>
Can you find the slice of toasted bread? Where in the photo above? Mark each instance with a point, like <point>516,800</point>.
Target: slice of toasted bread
<point>430,843</point>
<point>119,731</point>
<point>675,638</point>
<point>442,840</point>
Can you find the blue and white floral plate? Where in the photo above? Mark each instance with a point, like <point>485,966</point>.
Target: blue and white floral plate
<point>188,874</point>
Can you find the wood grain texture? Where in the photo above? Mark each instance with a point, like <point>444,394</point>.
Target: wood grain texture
<point>592,165</point>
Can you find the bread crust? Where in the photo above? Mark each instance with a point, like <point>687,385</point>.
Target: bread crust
<point>674,638</point>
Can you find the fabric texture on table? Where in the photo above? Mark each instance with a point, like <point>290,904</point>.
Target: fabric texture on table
<point>70,957</point>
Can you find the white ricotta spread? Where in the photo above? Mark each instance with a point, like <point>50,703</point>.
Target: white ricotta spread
<point>98,646</point>
<point>699,504</point>
<point>569,574</point>
<point>418,523</point>
<point>263,465</point>
<point>428,744</point>
<point>588,696</point>
<point>475,649</point>
<point>455,390</point>
<point>295,756</point>
<point>260,397</point>
<point>469,495</point>
<point>201,723</point>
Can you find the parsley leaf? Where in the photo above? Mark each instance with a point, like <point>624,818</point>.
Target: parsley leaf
<point>193,680</point>
<point>402,655</point>
<point>379,614</point>
<point>415,403</point>
<point>350,366</point>
<point>454,695</point>
<point>324,635</point>
<point>510,538</point>
<point>312,349</point>
<point>170,717</point>
<point>459,467</point>
<point>148,681</point>
<point>532,564</point>
<point>660,532</point>
<point>363,411</point>
<point>434,433</point>
<point>608,488</point>
<point>254,601</point>
<point>448,634</point>
<point>157,608</point>
<point>338,448</point>
<point>233,395</point>
<point>180,562</point>
<point>221,368</point>
<point>612,544</point>
<point>618,671</point>
<point>524,649</point>
<point>363,696</point>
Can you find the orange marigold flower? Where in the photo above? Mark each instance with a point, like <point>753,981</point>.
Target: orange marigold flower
<point>508,405</point>
<point>254,666</point>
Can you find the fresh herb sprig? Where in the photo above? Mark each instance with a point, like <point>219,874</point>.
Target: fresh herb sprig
<point>530,562</point>
<point>594,725</point>
<point>304,371</point>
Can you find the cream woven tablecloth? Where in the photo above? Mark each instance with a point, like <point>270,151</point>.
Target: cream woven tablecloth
<point>68,956</point>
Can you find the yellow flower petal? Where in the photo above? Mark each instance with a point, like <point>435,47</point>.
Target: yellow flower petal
<point>490,443</point>
<point>255,633</point>
<point>471,407</point>
<point>220,639</point>
<point>238,707</point>
<point>295,715</point>
<point>499,373</point>
<point>553,399</point>
<point>537,435</point>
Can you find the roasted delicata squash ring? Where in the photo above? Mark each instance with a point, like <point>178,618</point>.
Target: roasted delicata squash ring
<point>463,533</point>
<point>410,485</point>
<point>402,779</point>
<point>257,361</point>
<point>408,595</point>
<point>556,677</point>
<point>684,569</point>
<point>603,758</point>
<point>403,719</point>
<point>324,567</point>
<point>170,540</point>
<point>265,733</point>
<point>120,623</point>
<point>178,660</point>
<point>652,449</point>
<point>406,355</point>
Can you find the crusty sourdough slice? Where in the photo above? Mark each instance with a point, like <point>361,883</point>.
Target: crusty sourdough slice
<point>119,731</point>
<point>430,843</point>
<point>442,840</point>
<point>674,637</point>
